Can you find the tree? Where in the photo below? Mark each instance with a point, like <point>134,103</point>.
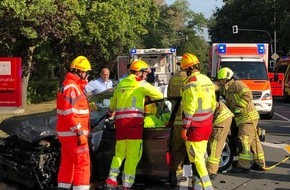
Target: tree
<point>94,28</point>
<point>252,14</point>
<point>28,24</point>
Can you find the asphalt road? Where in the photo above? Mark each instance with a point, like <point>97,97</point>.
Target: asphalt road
<point>277,178</point>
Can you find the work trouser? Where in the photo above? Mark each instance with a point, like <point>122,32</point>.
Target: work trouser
<point>196,152</point>
<point>216,144</point>
<point>178,149</point>
<point>132,151</point>
<point>75,164</point>
<point>248,141</point>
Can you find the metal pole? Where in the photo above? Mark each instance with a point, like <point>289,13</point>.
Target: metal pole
<point>275,39</point>
<point>265,31</point>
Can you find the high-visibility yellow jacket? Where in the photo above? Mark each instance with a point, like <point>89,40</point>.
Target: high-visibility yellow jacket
<point>238,96</point>
<point>198,101</point>
<point>129,98</point>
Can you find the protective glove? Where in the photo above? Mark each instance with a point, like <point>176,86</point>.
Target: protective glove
<point>238,110</point>
<point>93,106</point>
<point>184,134</point>
<point>83,139</point>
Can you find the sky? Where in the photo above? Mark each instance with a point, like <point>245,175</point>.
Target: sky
<point>206,7</point>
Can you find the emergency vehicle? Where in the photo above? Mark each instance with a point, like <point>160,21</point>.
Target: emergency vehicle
<point>249,61</point>
<point>282,85</point>
<point>161,61</point>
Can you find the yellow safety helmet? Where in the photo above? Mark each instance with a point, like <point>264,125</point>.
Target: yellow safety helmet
<point>188,60</point>
<point>139,65</point>
<point>225,73</point>
<point>150,109</point>
<point>81,63</point>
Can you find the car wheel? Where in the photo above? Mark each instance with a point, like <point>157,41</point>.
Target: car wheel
<point>227,155</point>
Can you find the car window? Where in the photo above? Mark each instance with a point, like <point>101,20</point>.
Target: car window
<point>161,113</point>
<point>99,104</point>
<point>101,101</point>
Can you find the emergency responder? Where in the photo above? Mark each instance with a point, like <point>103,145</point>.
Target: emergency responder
<point>128,104</point>
<point>240,101</point>
<point>178,148</point>
<point>151,120</point>
<point>221,127</point>
<point>198,105</point>
<point>73,127</point>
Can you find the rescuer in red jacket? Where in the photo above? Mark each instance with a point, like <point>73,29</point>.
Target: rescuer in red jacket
<point>73,127</point>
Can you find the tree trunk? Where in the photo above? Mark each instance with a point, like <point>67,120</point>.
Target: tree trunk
<point>25,78</point>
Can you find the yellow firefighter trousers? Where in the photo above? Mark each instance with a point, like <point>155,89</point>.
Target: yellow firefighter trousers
<point>248,141</point>
<point>216,144</point>
<point>196,152</point>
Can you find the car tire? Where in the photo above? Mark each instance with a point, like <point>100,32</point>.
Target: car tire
<point>227,155</point>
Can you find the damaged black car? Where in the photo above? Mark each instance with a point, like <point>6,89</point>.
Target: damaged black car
<point>30,150</point>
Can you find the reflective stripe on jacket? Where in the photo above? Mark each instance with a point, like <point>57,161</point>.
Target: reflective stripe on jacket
<point>222,113</point>
<point>198,101</point>
<point>72,108</point>
<point>129,98</point>
<point>238,94</point>
<point>175,86</point>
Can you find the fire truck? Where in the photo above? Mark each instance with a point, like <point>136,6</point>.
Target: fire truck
<point>282,82</point>
<point>161,61</point>
<point>249,61</point>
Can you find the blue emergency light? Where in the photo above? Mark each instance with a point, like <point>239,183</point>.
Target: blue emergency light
<point>133,51</point>
<point>222,48</point>
<point>261,48</point>
<point>172,50</point>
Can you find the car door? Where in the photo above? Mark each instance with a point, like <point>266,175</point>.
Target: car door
<point>153,161</point>
<point>156,140</point>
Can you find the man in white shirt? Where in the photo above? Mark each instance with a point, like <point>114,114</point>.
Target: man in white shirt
<point>101,84</point>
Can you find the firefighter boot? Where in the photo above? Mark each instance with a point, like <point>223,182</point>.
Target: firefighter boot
<point>172,179</point>
<point>110,184</point>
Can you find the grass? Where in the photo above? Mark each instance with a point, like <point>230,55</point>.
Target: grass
<point>30,109</point>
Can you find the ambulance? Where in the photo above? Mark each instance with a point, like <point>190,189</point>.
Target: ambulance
<point>162,62</point>
<point>249,61</point>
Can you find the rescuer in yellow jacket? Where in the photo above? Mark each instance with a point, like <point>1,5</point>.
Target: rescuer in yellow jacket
<point>178,148</point>
<point>151,120</point>
<point>128,104</point>
<point>198,105</point>
<point>239,99</point>
<point>221,127</point>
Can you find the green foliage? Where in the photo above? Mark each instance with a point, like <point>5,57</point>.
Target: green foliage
<point>49,34</point>
<point>42,91</point>
<point>267,15</point>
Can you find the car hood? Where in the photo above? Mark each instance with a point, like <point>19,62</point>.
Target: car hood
<point>30,128</point>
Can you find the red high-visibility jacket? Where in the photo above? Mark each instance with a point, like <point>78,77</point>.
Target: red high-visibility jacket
<point>72,108</point>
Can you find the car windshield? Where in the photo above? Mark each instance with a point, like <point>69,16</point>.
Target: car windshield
<point>99,104</point>
<point>252,70</point>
